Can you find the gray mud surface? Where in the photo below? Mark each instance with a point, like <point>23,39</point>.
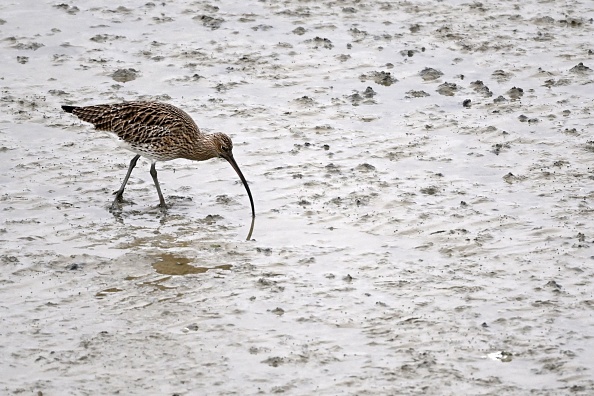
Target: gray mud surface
<point>424,187</point>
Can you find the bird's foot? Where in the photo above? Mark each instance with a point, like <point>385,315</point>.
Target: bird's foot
<point>116,210</point>
<point>116,207</point>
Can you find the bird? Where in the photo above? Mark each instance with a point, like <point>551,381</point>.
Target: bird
<point>159,132</point>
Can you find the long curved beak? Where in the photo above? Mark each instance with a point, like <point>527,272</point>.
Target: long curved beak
<point>231,160</point>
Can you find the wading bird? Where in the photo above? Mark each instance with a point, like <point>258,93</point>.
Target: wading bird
<point>159,132</point>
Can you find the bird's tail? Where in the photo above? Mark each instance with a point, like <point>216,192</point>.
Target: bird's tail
<point>69,109</point>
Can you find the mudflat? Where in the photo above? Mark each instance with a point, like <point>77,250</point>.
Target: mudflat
<point>423,184</point>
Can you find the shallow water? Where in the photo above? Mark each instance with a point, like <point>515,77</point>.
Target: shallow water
<point>405,243</point>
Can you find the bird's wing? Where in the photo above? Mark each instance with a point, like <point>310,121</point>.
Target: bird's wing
<point>137,122</point>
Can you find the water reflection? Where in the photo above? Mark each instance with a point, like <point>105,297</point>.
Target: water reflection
<point>170,264</point>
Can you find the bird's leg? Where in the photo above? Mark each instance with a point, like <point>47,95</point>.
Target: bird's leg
<point>154,175</point>
<point>120,192</point>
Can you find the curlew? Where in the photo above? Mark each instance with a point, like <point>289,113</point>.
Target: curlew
<point>159,132</point>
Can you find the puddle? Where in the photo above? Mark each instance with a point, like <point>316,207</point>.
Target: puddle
<point>170,264</point>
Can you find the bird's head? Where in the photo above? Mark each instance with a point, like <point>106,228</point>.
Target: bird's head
<point>223,145</point>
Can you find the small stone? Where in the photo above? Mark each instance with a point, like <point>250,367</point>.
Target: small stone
<point>124,75</point>
<point>429,74</point>
<point>192,327</point>
<point>553,284</point>
<point>416,94</point>
<point>278,311</point>
<point>447,89</point>
<point>369,92</point>
<point>299,31</point>
<point>580,68</point>
<point>515,93</point>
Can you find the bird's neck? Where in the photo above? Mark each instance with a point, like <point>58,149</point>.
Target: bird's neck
<point>202,148</point>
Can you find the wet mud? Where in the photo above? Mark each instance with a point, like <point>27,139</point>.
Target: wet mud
<point>423,184</point>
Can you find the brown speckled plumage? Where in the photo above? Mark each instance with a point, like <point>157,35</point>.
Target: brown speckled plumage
<point>160,132</point>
